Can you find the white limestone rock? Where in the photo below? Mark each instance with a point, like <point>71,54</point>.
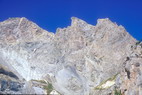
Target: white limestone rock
<point>76,59</point>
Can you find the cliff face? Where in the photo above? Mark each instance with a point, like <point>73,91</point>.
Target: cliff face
<point>81,59</point>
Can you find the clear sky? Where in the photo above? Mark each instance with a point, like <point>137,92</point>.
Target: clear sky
<point>50,14</point>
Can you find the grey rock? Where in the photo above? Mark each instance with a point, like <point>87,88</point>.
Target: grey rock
<point>4,85</point>
<point>14,86</point>
<point>81,59</point>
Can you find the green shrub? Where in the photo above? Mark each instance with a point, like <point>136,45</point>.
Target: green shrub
<point>48,88</point>
<point>117,92</point>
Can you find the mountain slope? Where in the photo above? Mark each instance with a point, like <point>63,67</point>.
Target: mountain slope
<point>81,59</point>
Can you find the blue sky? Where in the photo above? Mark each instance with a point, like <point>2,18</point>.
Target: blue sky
<point>50,14</point>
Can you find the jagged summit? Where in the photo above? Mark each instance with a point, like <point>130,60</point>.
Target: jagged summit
<point>81,59</point>
<point>74,21</point>
<point>77,22</point>
<point>21,29</point>
<point>103,20</point>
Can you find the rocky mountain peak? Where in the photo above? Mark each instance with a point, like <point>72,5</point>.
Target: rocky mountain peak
<point>21,29</point>
<point>105,20</point>
<point>77,22</point>
<point>81,59</point>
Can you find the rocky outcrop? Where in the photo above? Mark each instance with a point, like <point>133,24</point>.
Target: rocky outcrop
<point>81,59</point>
<point>131,76</point>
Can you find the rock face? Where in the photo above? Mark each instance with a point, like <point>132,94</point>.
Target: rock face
<point>81,59</point>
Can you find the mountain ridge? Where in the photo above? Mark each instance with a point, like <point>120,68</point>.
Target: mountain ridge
<point>75,60</point>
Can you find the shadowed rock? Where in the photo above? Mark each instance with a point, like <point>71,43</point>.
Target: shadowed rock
<point>2,71</point>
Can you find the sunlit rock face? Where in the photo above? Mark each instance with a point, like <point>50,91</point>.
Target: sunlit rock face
<point>81,59</point>
<point>25,47</point>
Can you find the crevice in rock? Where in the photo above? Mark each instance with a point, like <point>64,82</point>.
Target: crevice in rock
<point>128,73</point>
<point>127,58</point>
<point>11,74</point>
<point>137,64</point>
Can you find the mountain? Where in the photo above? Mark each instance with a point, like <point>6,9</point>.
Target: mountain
<point>81,59</point>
